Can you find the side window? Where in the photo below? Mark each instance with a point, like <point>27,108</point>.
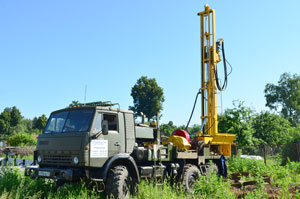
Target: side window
<point>98,126</point>
<point>112,120</point>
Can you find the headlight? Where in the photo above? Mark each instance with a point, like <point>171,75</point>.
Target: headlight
<point>39,159</point>
<point>75,160</point>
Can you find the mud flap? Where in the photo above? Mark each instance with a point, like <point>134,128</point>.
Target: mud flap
<point>223,166</point>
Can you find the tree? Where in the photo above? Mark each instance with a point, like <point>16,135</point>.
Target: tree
<point>238,120</point>
<point>168,129</point>
<point>16,116</point>
<point>285,97</point>
<point>9,118</point>
<point>74,103</point>
<point>40,122</point>
<point>147,97</point>
<point>271,129</point>
<point>194,130</point>
<point>4,127</point>
<point>28,123</point>
<point>5,119</point>
<point>291,150</point>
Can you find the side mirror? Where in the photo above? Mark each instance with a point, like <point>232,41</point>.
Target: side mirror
<point>104,125</point>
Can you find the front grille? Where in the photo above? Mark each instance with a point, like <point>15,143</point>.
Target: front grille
<point>57,160</point>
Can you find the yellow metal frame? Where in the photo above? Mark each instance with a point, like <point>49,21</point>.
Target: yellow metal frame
<point>209,59</point>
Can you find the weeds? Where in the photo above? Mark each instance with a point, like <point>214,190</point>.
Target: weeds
<point>13,184</point>
<point>213,186</point>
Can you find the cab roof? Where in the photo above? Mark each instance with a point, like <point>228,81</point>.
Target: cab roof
<point>78,107</point>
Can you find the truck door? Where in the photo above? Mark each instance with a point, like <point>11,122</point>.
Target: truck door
<point>105,146</point>
<point>115,134</point>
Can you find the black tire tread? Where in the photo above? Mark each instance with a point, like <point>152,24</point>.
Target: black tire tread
<point>115,180</point>
<point>212,167</point>
<point>189,169</point>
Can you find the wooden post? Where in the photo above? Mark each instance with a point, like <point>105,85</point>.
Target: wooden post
<point>265,156</point>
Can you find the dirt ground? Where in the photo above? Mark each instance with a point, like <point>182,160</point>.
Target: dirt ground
<point>241,188</point>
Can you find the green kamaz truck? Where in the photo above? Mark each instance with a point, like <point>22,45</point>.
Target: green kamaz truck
<point>103,145</point>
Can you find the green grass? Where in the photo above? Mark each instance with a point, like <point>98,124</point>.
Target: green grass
<point>14,185</point>
<point>27,157</point>
<point>281,175</point>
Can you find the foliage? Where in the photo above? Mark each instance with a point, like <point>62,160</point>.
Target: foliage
<point>9,118</point>
<point>285,97</point>
<point>168,129</point>
<point>281,175</point>
<point>213,186</point>
<point>147,97</point>
<point>28,124</point>
<point>15,115</point>
<point>74,103</point>
<point>291,150</point>
<point>194,129</point>
<point>237,164</point>
<point>270,129</point>
<point>12,123</point>
<point>40,122</point>
<point>21,139</point>
<point>14,185</point>
<point>148,189</point>
<point>238,120</point>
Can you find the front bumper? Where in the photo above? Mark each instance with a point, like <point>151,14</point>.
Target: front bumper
<point>72,174</point>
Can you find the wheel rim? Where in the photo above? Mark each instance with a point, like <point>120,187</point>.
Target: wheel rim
<point>191,181</point>
<point>126,189</point>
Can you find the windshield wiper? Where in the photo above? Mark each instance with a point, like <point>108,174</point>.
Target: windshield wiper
<point>97,134</point>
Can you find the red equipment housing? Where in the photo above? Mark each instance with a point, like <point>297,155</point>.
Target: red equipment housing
<point>182,133</point>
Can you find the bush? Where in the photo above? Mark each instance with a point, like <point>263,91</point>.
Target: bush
<point>13,184</point>
<point>289,150</point>
<point>237,164</point>
<point>21,139</point>
<point>213,186</point>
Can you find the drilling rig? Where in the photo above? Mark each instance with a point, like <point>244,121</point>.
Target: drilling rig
<point>210,57</point>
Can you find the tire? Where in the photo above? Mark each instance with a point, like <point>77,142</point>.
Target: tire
<point>59,183</point>
<point>119,184</point>
<point>190,174</point>
<point>212,168</point>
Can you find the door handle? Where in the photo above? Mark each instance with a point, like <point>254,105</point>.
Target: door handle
<point>117,144</point>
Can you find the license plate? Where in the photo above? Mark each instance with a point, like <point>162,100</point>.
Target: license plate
<point>44,173</point>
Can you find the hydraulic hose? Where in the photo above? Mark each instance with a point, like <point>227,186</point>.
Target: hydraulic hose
<point>223,87</point>
<point>187,125</point>
<point>220,88</point>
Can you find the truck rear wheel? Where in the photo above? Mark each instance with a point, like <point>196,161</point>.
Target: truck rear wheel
<point>212,168</point>
<point>119,184</point>
<point>190,174</point>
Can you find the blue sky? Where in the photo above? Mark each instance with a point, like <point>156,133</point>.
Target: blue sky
<point>49,51</point>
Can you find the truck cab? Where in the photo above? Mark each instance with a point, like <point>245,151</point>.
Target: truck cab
<point>85,142</point>
<point>75,135</point>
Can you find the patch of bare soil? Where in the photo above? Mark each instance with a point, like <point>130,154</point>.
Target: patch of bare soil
<point>240,187</point>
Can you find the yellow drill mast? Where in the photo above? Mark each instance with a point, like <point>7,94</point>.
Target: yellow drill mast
<point>209,59</point>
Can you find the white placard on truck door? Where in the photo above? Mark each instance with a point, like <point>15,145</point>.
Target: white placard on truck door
<point>99,148</point>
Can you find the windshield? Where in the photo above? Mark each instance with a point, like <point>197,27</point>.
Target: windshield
<point>69,121</point>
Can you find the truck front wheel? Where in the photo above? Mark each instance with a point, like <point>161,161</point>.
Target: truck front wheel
<point>190,175</point>
<point>119,184</point>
